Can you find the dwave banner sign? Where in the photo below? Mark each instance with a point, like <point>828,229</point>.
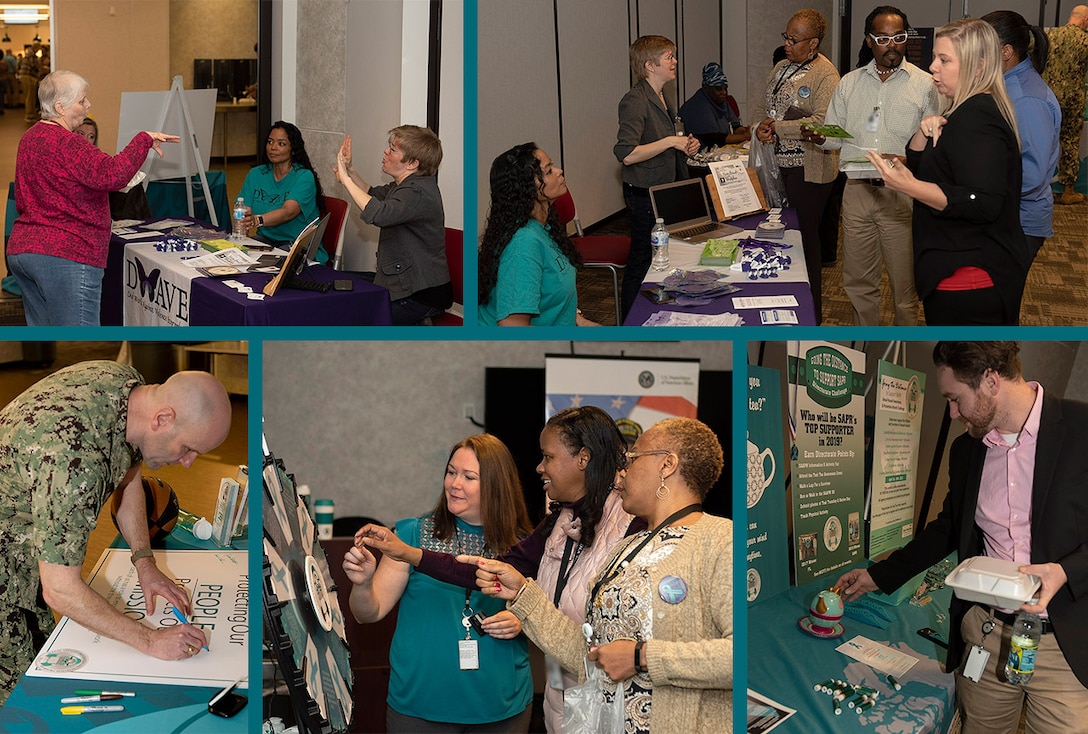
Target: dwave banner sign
<point>156,294</point>
<point>827,411</point>
<point>767,550</point>
<point>636,392</point>
<point>898,429</point>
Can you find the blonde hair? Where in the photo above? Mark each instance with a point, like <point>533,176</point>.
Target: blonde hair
<point>648,49</point>
<point>979,50</point>
<point>419,144</point>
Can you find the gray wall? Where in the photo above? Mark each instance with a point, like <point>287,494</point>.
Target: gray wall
<point>369,424</point>
<point>554,73</point>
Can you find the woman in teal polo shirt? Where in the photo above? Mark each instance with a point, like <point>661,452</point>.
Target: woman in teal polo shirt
<point>527,262</point>
<point>283,193</point>
<point>445,676</point>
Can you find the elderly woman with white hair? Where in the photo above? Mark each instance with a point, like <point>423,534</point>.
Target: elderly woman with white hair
<point>59,243</point>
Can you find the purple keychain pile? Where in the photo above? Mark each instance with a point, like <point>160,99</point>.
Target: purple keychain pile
<point>176,244</point>
<point>764,259</point>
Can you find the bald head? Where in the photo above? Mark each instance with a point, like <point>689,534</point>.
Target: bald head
<point>180,419</point>
<point>200,400</point>
<point>1079,16</point>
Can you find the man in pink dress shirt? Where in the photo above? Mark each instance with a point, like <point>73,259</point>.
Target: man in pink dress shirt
<point>1016,492</point>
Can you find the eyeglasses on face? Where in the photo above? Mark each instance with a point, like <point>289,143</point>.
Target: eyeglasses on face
<point>790,40</point>
<point>630,456</point>
<point>897,39</point>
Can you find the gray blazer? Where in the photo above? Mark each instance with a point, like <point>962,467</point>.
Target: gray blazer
<point>412,243</point>
<point>643,120</point>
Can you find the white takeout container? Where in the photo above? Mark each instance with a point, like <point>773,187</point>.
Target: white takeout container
<point>992,581</point>
<point>859,169</point>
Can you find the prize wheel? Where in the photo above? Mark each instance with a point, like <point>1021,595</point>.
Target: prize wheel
<point>303,622</point>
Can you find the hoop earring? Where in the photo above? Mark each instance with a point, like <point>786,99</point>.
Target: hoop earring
<point>662,491</point>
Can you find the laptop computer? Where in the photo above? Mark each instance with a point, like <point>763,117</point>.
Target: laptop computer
<point>686,212</point>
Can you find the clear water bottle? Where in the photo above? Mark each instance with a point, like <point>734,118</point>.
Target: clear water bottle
<point>1023,647</point>
<point>238,232</point>
<point>659,243</point>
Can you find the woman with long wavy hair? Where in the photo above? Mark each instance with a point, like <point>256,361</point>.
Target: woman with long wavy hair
<point>964,173</point>
<point>430,687</point>
<point>527,262</point>
<point>582,452</point>
<point>283,192</point>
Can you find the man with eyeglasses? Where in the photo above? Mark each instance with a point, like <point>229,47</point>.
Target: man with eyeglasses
<point>881,104</point>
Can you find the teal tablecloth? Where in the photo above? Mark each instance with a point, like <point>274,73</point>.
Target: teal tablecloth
<point>784,663</point>
<point>167,198</point>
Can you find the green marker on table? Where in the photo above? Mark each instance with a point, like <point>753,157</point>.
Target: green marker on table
<point>86,692</point>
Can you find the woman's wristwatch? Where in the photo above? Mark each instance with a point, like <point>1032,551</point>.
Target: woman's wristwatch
<point>640,663</point>
<point>260,220</point>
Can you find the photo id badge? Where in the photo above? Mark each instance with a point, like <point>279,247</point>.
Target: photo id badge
<point>976,663</point>
<point>555,672</point>
<point>468,654</point>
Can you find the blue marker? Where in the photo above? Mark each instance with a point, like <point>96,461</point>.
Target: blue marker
<point>181,618</point>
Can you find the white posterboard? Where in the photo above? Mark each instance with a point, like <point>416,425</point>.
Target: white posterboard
<point>218,586</point>
<point>144,111</point>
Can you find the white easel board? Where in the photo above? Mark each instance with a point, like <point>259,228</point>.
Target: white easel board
<point>144,111</point>
<point>218,586</point>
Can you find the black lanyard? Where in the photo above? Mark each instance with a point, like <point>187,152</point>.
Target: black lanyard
<point>618,567</point>
<point>783,79</point>
<point>565,570</point>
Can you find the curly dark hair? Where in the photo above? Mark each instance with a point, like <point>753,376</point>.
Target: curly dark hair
<point>516,182</point>
<point>592,429</point>
<point>299,156</point>
<point>865,54</point>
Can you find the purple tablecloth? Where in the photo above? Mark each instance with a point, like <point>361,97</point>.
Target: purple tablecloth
<point>214,304</point>
<point>643,308</point>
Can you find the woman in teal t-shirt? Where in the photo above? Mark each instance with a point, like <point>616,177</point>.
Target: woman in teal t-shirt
<point>443,671</point>
<point>283,193</point>
<point>527,262</point>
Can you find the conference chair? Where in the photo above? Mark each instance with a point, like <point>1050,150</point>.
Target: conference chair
<point>597,251</point>
<point>455,259</point>
<point>333,240</point>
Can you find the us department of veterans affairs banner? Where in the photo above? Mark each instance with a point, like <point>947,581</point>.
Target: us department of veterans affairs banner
<point>768,559</point>
<point>826,410</point>
<point>898,426</point>
<point>636,392</point>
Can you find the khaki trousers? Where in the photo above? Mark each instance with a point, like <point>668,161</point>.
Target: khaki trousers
<point>1056,701</point>
<point>876,230</point>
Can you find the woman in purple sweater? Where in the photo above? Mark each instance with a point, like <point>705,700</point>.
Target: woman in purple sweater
<point>58,245</point>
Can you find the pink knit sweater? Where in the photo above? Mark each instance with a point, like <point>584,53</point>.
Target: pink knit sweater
<point>61,192</point>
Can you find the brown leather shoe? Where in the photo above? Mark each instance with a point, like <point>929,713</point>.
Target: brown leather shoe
<point>1070,197</point>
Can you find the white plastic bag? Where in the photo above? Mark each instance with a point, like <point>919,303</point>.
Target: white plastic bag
<point>761,157</point>
<point>585,710</point>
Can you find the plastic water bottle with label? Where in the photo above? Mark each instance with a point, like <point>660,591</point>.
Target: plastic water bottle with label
<point>659,243</point>
<point>238,230</point>
<point>1023,647</point>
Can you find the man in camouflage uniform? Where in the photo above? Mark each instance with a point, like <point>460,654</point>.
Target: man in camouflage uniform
<point>1064,73</point>
<point>66,444</point>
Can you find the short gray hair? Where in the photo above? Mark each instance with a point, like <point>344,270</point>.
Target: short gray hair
<point>60,86</point>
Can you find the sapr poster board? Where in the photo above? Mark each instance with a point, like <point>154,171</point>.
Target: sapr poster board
<point>768,560</point>
<point>218,586</point>
<point>896,435</point>
<point>143,111</point>
<point>636,392</point>
<point>827,416</point>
